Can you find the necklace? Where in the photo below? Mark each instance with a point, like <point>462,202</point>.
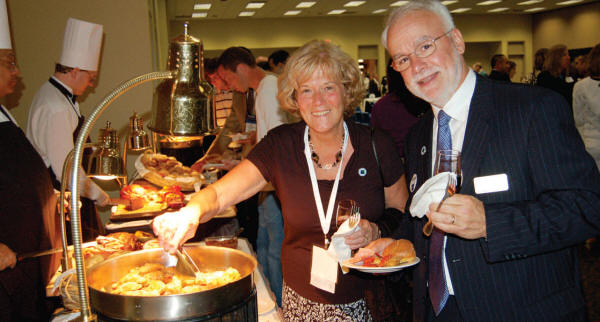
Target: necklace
<point>315,157</point>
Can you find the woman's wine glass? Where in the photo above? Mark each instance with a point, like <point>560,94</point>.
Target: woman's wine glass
<point>345,208</point>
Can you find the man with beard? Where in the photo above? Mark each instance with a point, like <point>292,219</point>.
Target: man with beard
<point>504,251</point>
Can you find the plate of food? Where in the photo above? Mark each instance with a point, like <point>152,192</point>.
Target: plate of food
<point>163,170</point>
<point>398,255</point>
<point>141,200</point>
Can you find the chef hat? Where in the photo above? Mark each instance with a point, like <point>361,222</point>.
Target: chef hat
<point>4,28</point>
<point>81,45</point>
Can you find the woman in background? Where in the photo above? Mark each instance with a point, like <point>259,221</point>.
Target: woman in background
<point>555,70</point>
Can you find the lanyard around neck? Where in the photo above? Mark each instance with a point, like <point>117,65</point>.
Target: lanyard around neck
<point>325,219</point>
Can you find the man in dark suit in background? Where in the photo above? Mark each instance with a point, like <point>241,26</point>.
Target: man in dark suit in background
<point>509,254</point>
<point>500,68</point>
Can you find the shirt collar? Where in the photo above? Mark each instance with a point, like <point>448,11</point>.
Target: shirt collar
<point>458,105</point>
<point>63,85</point>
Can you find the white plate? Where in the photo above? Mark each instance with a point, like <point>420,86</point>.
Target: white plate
<point>386,269</point>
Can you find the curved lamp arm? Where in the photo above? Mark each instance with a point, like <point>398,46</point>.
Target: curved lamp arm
<point>86,312</point>
<point>63,221</point>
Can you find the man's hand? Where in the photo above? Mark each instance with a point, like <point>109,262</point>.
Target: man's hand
<point>7,257</point>
<point>461,215</point>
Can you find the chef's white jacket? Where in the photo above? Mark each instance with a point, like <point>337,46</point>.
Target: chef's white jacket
<point>50,126</point>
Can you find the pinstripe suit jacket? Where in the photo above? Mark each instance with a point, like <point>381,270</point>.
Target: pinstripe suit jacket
<point>527,269</point>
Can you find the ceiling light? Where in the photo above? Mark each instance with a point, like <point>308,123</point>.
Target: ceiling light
<point>564,3</point>
<point>498,9</point>
<point>526,3</point>
<point>459,10</point>
<point>336,12</point>
<point>488,2</point>
<point>379,11</point>
<point>305,4</point>
<point>246,14</point>
<point>398,3</point>
<point>354,3</point>
<point>449,2</point>
<point>202,6</point>
<point>534,9</point>
<point>199,14</point>
<point>292,12</point>
<point>255,5</point>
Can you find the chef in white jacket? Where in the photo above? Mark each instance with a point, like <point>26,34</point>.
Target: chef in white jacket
<point>55,120</point>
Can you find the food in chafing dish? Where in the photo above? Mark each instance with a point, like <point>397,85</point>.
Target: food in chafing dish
<point>154,279</point>
<point>164,170</point>
<point>115,244</point>
<point>396,253</point>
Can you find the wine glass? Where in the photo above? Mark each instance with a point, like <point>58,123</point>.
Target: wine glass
<point>449,161</point>
<point>344,210</point>
<point>446,161</point>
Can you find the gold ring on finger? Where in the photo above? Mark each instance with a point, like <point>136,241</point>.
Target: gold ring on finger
<point>453,219</point>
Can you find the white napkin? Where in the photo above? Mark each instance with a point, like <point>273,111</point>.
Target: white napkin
<point>431,191</point>
<point>338,248</point>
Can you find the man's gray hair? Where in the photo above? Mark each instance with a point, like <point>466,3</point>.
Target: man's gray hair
<point>433,6</point>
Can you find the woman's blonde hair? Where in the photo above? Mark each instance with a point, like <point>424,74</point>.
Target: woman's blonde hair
<point>320,55</point>
<point>552,63</point>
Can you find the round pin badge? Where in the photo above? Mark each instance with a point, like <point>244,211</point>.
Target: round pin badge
<point>362,172</point>
<point>413,183</point>
<point>423,150</point>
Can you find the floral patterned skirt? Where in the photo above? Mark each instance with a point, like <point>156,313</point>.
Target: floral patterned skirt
<point>298,308</point>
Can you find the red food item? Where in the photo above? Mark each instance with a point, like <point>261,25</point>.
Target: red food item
<point>135,203</point>
<point>137,191</point>
<point>173,196</point>
<point>384,260</point>
<point>141,195</point>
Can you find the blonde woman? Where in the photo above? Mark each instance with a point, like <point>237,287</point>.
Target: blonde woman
<point>312,165</point>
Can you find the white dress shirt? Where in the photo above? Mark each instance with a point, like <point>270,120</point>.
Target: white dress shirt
<point>268,113</point>
<point>586,111</point>
<point>458,109</point>
<point>50,126</point>
<point>3,118</point>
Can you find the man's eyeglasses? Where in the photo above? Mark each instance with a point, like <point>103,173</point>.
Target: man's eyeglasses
<point>422,50</point>
<point>10,65</point>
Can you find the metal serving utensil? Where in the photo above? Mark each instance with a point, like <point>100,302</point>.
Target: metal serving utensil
<point>185,263</point>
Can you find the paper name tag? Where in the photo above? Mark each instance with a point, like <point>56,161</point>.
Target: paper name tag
<point>493,183</point>
<point>323,272</point>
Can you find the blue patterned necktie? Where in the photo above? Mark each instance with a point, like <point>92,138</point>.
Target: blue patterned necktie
<point>438,290</point>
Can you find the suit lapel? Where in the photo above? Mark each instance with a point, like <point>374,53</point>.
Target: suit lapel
<point>477,132</point>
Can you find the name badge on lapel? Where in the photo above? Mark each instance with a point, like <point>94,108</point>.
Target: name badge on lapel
<point>493,183</point>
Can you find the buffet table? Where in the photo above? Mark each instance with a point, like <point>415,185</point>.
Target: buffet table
<point>268,310</point>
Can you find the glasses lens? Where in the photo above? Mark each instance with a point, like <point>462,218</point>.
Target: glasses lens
<point>426,48</point>
<point>401,64</point>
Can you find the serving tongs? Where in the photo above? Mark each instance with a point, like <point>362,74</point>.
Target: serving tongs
<point>185,263</point>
